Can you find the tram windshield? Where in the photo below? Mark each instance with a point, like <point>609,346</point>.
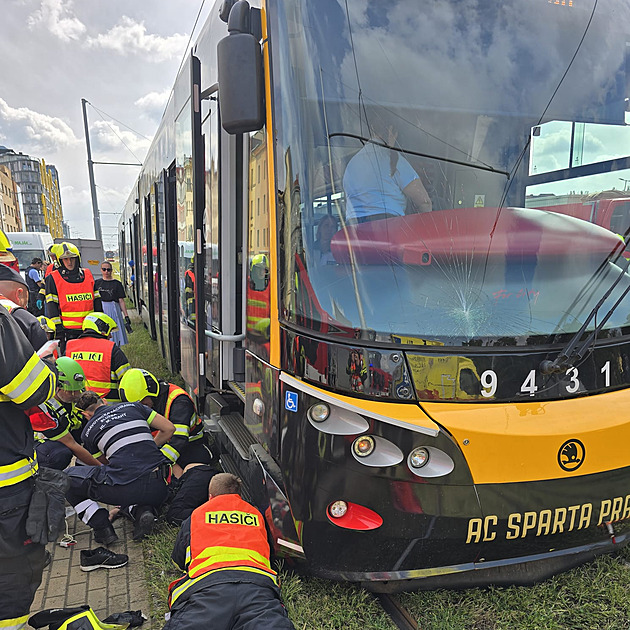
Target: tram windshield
<point>452,172</point>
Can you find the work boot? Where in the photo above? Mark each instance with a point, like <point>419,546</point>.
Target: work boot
<point>144,520</point>
<point>105,535</point>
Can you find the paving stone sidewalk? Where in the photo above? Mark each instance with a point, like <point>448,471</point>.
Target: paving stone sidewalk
<point>107,591</point>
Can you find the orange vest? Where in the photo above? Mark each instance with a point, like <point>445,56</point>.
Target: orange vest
<point>76,300</point>
<point>175,392</point>
<point>226,533</point>
<point>49,269</point>
<point>95,357</point>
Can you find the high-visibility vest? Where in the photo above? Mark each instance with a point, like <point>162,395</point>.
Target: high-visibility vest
<point>175,392</point>
<point>94,355</point>
<point>226,533</point>
<point>76,300</point>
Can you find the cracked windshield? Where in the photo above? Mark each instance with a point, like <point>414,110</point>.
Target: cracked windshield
<point>453,176</point>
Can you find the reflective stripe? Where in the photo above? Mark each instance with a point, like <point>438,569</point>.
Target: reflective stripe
<point>183,587</point>
<point>104,384</point>
<point>170,452</point>
<point>132,439</point>
<point>237,555</point>
<point>122,369</point>
<point>17,623</point>
<point>51,297</point>
<point>181,429</point>
<point>193,438</point>
<point>28,381</point>
<point>16,472</point>
<point>121,428</point>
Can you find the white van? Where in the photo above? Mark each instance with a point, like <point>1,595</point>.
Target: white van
<point>29,245</point>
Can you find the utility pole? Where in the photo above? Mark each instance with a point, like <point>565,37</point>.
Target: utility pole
<point>98,235</point>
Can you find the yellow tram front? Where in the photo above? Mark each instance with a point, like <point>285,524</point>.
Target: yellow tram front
<point>455,359</point>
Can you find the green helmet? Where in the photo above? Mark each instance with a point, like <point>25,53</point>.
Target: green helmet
<point>99,323</point>
<point>70,377</point>
<point>136,384</point>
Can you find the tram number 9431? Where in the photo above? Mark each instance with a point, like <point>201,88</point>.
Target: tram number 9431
<point>489,381</point>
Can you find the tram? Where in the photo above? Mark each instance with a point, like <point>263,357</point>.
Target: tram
<point>435,398</point>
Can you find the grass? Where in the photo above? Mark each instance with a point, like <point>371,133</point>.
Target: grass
<point>596,595</point>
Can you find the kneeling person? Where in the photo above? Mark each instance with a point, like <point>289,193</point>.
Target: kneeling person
<point>224,551</point>
<point>119,436</point>
<point>187,445</point>
<point>103,362</point>
<point>56,444</point>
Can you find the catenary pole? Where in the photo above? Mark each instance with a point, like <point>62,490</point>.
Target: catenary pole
<point>98,235</point>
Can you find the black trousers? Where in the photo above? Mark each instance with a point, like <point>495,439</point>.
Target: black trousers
<point>150,489</point>
<point>21,565</point>
<point>230,606</point>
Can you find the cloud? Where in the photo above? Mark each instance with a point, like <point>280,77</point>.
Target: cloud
<point>57,17</point>
<point>153,103</point>
<point>131,37</point>
<point>107,135</point>
<point>33,131</point>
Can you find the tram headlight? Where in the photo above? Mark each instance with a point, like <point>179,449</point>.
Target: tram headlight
<point>419,457</point>
<point>338,509</point>
<point>319,412</point>
<point>364,446</point>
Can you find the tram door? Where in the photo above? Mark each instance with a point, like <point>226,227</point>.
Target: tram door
<point>169,269</point>
<point>157,219</point>
<point>148,266</point>
<point>212,226</point>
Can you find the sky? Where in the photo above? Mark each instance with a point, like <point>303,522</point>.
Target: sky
<point>120,55</point>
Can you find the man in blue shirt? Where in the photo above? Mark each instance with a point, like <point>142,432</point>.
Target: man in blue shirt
<point>379,181</point>
<point>133,471</point>
<point>35,284</point>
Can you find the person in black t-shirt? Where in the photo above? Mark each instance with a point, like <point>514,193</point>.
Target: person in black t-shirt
<point>112,295</point>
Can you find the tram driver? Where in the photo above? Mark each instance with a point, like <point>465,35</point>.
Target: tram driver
<point>379,182</point>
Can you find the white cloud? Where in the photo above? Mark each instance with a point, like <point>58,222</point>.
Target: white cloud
<point>129,36</point>
<point>57,17</point>
<point>35,131</point>
<point>108,135</point>
<point>153,102</point>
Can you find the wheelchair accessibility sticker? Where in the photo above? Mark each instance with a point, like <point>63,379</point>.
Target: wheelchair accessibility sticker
<point>291,401</point>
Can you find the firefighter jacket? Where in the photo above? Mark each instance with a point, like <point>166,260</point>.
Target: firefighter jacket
<point>224,535</point>
<point>63,418</point>
<point>103,363</point>
<point>25,381</point>
<point>70,296</point>
<point>177,406</point>
<point>27,322</point>
<point>189,293</point>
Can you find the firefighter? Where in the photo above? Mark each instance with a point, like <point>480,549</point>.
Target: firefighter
<point>14,297</point>
<point>222,547</point>
<point>70,293</point>
<point>187,446</point>
<point>53,251</point>
<point>25,381</point>
<point>103,362</point>
<point>135,469</point>
<point>189,292</point>
<point>7,257</point>
<point>57,444</point>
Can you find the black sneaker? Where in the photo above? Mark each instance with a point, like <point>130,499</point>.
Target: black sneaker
<point>105,535</point>
<point>102,558</point>
<point>144,520</point>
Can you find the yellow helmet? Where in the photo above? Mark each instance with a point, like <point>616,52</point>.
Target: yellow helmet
<point>5,243</point>
<point>67,250</point>
<point>136,384</point>
<point>99,323</point>
<point>47,324</point>
<point>56,250</point>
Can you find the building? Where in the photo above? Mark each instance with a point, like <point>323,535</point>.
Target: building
<point>9,206</point>
<point>39,190</point>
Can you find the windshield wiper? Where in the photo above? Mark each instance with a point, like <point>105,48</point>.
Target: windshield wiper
<point>572,353</point>
<point>425,155</point>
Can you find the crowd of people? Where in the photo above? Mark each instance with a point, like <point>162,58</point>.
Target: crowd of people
<point>68,394</point>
